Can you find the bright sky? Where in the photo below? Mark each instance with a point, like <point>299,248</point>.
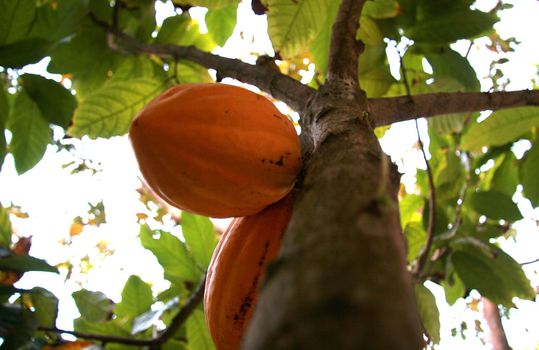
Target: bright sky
<point>53,197</point>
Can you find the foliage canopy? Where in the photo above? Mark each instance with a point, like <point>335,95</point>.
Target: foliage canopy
<point>100,82</point>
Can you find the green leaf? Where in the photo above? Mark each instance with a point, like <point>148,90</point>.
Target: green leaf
<point>3,147</point>
<point>208,3</point>
<point>410,208</point>
<point>190,72</point>
<point>199,236</point>
<point>428,311</point>
<point>454,288</point>
<point>171,254</point>
<point>197,332</point>
<point>4,115</point>
<point>24,52</point>
<point>496,275</point>
<point>448,123</point>
<point>494,205</point>
<point>320,45</point>
<point>108,111</point>
<point>115,327</point>
<point>93,306</point>
<point>441,216</point>
<point>505,176</point>
<point>500,128</point>
<point>221,23</point>
<point>368,32</point>
<point>452,26</point>
<point>57,20</point>
<point>377,81</point>
<point>45,305</point>
<point>136,298</point>
<point>381,9</point>
<point>449,63</point>
<point>54,101</point>
<point>172,29</point>
<point>16,17</point>
<point>292,25</point>
<point>5,228</point>
<point>25,263</point>
<point>4,107</point>
<point>174,344</point>
<point>528,174</point>
<point>87,57</point>
<point>134,67</point>
<point>415,238</point>
<point>141,23</point>
<point>17,327</point>
<point>373,56</point>
<point>449,176</point>
<point>182,30</point>
<point>31,133</point>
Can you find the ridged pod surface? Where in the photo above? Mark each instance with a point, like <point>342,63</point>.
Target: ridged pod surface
<point>237,268</point>
<point>216,150</point>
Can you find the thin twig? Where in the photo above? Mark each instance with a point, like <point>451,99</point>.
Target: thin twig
<point>273,82</point>
<point>181,317</point>
<point>99,337</point>
<point>530,262</point>
<point>190,305</point>
<point>421,260</point>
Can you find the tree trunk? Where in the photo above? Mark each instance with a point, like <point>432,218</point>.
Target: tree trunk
<point>340,281</point>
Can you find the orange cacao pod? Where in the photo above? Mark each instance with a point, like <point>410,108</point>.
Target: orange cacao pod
<point>237,268</point>
<point>216,150</point>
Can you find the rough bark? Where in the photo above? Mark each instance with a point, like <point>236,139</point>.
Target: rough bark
<point>496,333</point>
<point>340,281</point>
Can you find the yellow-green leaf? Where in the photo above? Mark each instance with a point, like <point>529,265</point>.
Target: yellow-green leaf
<point>108,111</point>
<point>500,128</point>
<point>292,25</point>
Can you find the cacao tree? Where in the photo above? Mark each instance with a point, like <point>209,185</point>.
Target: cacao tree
<point>361,242</point>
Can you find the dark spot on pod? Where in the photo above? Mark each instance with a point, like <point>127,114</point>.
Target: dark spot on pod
<point>280,162</point>
<point>135,123</point>
<point>264,253</point>
<point>263,160</point>
<point>277,116</point>
<point>226,111</point>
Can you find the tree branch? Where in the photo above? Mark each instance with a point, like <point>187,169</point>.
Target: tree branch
<point>270,80</point>
<point>344,48</point>
<point>190,305</point>
<point>390,110</point>
<point>491,314</point>
<point>99,337</point>
<point>530,262</point>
